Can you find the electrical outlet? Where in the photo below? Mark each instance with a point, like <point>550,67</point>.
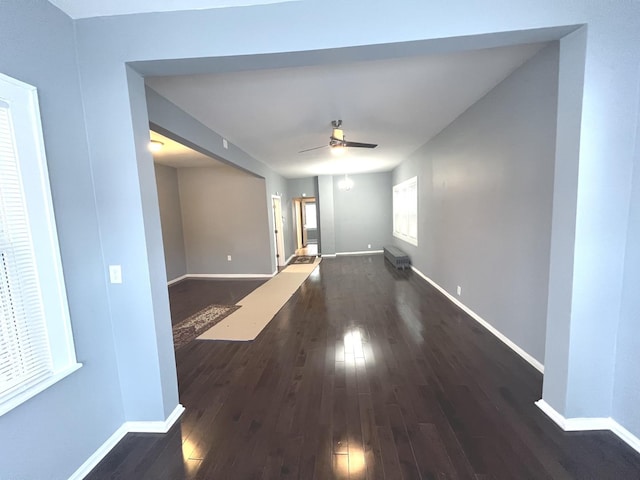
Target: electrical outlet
<point>115,273</point>
<point>225,144</point>
<point>228,258</point>
<point>459,290</point>
<point>369,245</point>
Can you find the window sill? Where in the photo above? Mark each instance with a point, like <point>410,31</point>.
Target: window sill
<point>37,388</point>
<point>404,238</point>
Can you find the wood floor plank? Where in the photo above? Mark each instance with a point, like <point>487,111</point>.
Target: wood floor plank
<point>370,442</point>
<point>404,449</point>
<point>388,453</point>
<point>431,456</point>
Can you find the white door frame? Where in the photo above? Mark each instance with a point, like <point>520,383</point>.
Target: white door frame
<point>276,203</point>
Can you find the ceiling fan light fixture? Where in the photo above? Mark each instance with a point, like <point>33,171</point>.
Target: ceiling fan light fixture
<point>155,146</point>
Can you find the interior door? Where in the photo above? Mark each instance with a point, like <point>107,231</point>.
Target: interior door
<point>278,233</point>
<point>297,204</point>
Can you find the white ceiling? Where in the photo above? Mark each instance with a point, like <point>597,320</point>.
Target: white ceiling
<point>105,8</point>
<point>399,104</point>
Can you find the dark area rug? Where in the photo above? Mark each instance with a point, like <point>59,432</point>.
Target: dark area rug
<point>200,322</point>
<point>303,259</point>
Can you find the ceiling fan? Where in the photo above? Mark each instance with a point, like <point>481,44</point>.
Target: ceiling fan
<point>337,140</point>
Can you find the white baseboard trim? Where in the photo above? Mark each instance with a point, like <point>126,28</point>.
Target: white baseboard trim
<point>328,255</point>
<point>155,426</point>
<point>363,252</point>
<point>585,424</point>
<point>550,412</point>
<point>503,338</point>
<point>99,454</point>
<point>126,427</point>
<point>178,279</point>
<point>625,435</point>
<point>574,424</point>
<point>289,259</point>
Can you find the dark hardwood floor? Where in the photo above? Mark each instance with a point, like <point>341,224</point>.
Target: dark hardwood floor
<point>366,373</point>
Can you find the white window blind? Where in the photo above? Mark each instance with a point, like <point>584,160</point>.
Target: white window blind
<point>405,211</point>
<point>36,341</point>
<point>24,347</point>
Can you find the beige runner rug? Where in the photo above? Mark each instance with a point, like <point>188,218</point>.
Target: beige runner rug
<point>261,305</point>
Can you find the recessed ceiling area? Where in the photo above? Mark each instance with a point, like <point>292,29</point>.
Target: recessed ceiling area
<point>102,8</point>
<point>398,103</point>
<point>176,155</point>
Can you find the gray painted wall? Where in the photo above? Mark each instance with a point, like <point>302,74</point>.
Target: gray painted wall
<point>224,213</point>
<point>486,186</point>
<point>301,187</point>
<point>362,215</point>
<point>326,212</point>
<point>171,219</point>
<point>52,434</point>
<point>563,226</point>
<point>627,380</point>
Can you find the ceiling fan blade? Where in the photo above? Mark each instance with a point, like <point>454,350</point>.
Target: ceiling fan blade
<point>314,148</point>
<point>346,143</point>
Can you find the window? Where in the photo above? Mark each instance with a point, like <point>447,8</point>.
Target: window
<point>405,211</point>
<point>310,215</point>
<point>36,345</point>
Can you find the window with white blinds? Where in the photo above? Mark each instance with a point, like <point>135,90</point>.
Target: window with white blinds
<point>24,354</point>
<point>36,347</point>
<point>405,211</point>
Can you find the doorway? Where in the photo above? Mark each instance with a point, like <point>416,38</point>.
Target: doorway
<point>306,224</point>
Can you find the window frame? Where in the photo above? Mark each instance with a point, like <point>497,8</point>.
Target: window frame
<point>22,100</point>
<point>405,210</point>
